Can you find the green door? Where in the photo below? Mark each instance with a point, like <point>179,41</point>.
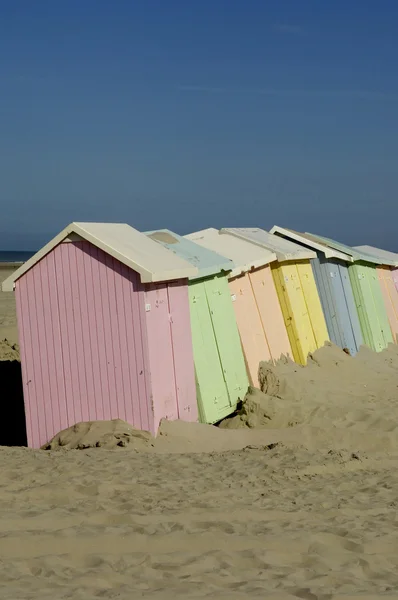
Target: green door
<point>227,338</point>
<point>368,315</point>
<point>385,328</point>
<point>212,394</point>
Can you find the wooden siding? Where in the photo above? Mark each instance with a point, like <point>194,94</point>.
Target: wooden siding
<point>82,336</point>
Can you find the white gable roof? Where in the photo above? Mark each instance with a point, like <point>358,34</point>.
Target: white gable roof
<point>245,255</point>
<point>124,243</point>
<point>357,255</point>
<point>283,249</point>
<point>379,253</point>
<point>302,238</point>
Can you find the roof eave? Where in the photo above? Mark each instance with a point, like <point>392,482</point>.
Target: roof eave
<point>297,237</point>
<point>145,275</point>
<point>280,255</point>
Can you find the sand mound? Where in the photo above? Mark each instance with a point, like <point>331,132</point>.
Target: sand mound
<point>333,401</point>
<point>100,434</point>
<point>9,351</point>
<point>256,411</point>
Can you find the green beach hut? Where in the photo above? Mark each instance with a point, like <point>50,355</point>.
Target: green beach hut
<point>221,377</point>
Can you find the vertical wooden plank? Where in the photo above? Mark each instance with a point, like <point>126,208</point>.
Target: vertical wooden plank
<point>287,313</point>
<point>314,308</point>
<point>301,331</point>
<point>68,264</point>
<point>87,397</point>
<point>324,274</point>
<point>344,319</point>
<point>110,398</point>
<point>270,312</point>
<point>350,303</point>
<point>138,393</point>
<point>386,298</point>
<point>117,403</point>
<point>160,353</point>
<point>182,350</point>
<point>55,339</point>
<point>382,278</point>
<point>67,331</point>
<point>227,338</point>
<point>103,410</point>
<point>381,310</point>
<point>251,331</point>
<point>212,391</point>
<point>127,400</point>
<point>393,294</point>
<point>355,275</point>
<point>81,399</point>
<point>97,380</point>
<point>47,403</point>
<point>47,353</point>
<point>142,339</point>
<point>372,332</point>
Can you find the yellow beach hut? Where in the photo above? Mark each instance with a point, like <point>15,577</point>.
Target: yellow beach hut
<point>296,288</point>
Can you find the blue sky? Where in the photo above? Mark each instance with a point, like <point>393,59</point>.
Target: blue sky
<point>187,115</point>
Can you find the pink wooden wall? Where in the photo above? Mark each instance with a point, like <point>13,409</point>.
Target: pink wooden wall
<point>170,352</point>
<point>390,297</point>
<point>89,350</point>
<point>395,276</point>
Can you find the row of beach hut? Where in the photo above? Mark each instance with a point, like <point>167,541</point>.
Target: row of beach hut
<point>116,323</point>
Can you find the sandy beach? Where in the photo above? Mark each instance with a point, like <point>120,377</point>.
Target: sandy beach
<point>295,497</point>
<point>8,320</point>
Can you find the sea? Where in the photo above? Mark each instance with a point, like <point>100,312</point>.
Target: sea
<point>11,256</point>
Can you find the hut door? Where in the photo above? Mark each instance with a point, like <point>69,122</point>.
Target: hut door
<point>251,330</point>
<point>325,274</point>
<point>351,308</point>
<point>313,303</point>
<point>270,311</point>
<point>297,319</point>
<point>227,338</point>
<point>381,309</point>
<point>213,399</point>
<point>347,339</point>
<point>364,281</point>
<point>393,295</point>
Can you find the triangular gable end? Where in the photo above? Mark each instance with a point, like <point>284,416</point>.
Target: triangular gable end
<point>124,243</point>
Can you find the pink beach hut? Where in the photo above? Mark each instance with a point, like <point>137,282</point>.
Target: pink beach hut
<point>104,330</point>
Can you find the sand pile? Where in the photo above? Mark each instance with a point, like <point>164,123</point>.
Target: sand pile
<point>109,435</point>
<point>9,351</point>
<point>333,401</point>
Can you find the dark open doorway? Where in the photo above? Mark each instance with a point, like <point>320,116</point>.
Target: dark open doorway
<point>12,423</point>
